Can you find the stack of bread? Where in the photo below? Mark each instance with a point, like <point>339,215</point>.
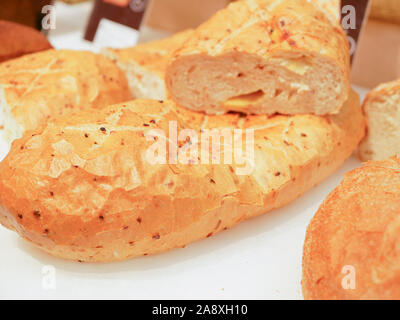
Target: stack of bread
<point>77,182</point>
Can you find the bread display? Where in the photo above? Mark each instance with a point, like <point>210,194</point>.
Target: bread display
<point>81,188</point>
<point>263,57</point>
<point>144,65</point>
<point>351,249</point>
<point>53,83</point>
<point>382,110</point>
<point>17,40</point>
<point>78,181</point>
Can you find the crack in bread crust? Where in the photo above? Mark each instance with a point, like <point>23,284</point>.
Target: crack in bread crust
<point>53,83</point>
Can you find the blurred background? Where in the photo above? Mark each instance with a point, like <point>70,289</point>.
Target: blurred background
<point>92,24</point>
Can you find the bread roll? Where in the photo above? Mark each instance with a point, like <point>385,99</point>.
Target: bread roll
<point>144,65</point>
<point>263,57</point>
<point>351,249</point>
<point>53,83</point>
<point>81,188</point>
<point>17,40</point>
<point>382,110</point>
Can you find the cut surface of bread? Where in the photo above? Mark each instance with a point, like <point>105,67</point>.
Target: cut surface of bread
<point>82,188</point>
<point>382,111</point>
<point>263,57</point>
<point>351,249</point>
<point>17,40</point>
<point>49,84</point>
<point>144,65</point>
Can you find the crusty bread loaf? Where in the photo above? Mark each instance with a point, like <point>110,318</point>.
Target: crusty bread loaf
<point>382,110</point>
<point>144,65</point>
<point>81,188</point>
<point>17,40</point>
<point>351,249</point>
<point>53,83</point>
<point>263,57</point>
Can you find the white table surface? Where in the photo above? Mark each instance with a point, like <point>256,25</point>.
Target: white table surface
<point>258,259</point>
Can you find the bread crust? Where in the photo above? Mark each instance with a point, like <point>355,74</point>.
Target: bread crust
<point>357,225</point>
<point>17,40</point>
<point>53,83</point>
<point>289,50</point>
<point>81,188</point>
<point>382,111</point>
<point>332,8</point>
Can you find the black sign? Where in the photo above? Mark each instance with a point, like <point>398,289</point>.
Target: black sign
<point>354,16</point>
<point>130,15</point>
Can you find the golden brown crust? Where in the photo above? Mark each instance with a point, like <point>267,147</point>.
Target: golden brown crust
<point>17,40</point>
<point>264,41</point>
<point>81,187</point>
<point>53,83</point>
<point>358,225</point>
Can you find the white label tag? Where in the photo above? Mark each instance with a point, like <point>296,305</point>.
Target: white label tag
<point>115,35</point>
